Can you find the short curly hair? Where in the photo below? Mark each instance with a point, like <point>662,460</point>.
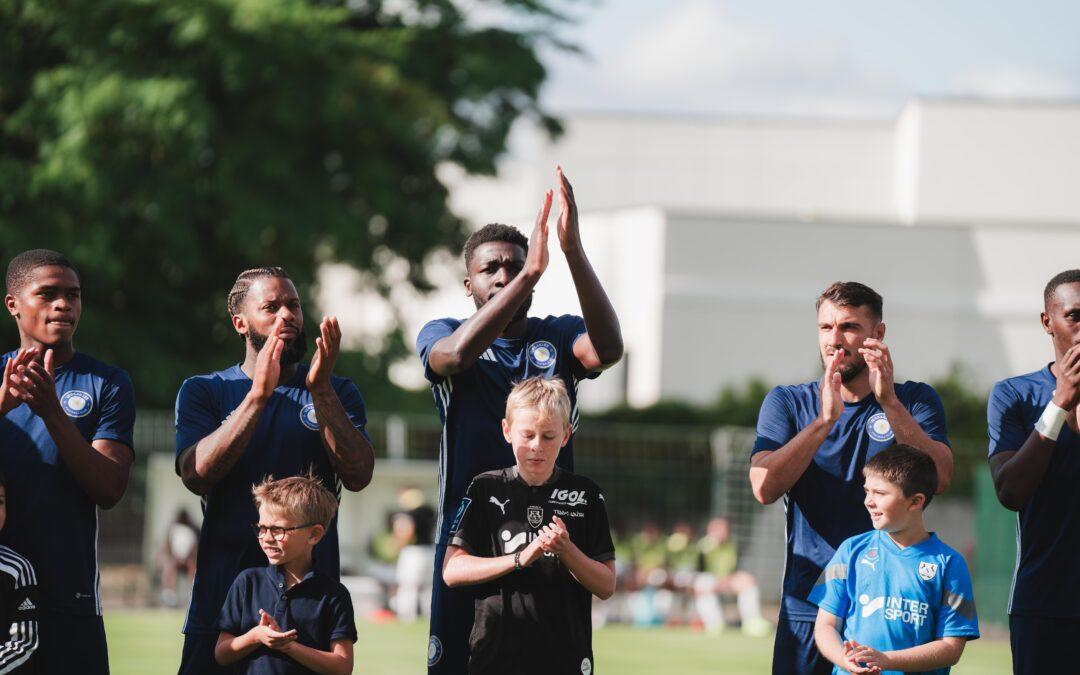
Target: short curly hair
<point>1061,278</point>
<point>20,267</point>
<point>493,232</point>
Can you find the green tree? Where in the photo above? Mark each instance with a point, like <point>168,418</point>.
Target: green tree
<point>165,146</point>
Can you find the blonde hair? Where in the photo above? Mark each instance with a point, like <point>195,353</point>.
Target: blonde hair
<point>303,498</point>
<point>547,396</point>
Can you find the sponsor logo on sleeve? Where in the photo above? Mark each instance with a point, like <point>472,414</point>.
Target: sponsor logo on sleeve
<point>462,508</point>
<point>878,427</point>
<point>586,666</point>
<point>434,650</point>
<point>542,354</point>
<point>77,403</point>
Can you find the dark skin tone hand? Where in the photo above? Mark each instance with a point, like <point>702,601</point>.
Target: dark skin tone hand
<point>1017,474</point>
<point>501,279</point>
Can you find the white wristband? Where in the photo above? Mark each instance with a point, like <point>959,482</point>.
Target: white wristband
<point>1051,421</point>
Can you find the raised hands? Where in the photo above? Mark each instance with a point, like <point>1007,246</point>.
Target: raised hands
<point>569,233</point>
<point>832,405</point>
<point>327,347</point>
<point>1067,371</point>
<point>31,382</point>
<point>269,633</point>
<point>268,364</point>
<point>8,400</point>
<point>536,261</point>
<point>879,361</point>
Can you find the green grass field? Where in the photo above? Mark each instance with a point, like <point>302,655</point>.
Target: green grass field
<point>148,643</point>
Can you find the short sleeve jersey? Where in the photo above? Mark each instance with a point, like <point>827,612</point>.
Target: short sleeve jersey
<point>286,442</point>
<point>51,520</point>
<point>538,619</point>
<point>318,608</point>
<point>472,403</point>
<point>1048,530</point>
<point>19,599</point>
<point>894,598</point>
<point>825,506</point>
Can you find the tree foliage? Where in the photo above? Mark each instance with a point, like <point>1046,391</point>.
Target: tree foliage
<point>165,146</point>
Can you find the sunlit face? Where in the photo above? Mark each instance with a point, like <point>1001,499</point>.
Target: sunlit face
<point>890,510</point>
<point>536,441</point>
<point>494,265</point>
<point>267,300</point>
<point>48,305</point>
<point>295,544</point>
<point>1061,319</point>
<point>845,327</point>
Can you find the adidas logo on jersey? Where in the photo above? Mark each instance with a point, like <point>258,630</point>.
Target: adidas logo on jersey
<point>26,605</point>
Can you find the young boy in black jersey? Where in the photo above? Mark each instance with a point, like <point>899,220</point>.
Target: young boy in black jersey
<point>535,540</point>
<point>18,604</point>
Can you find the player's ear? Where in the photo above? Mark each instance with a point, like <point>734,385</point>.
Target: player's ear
<point>317,533</point>
<point>879,331</point>
<point>468,287</point>
<point>1044,318</point>
<point>239,322</point>
<point>566,436</point>
<point>918,500</point>
<point>12,304</point>
<point>506,429</point>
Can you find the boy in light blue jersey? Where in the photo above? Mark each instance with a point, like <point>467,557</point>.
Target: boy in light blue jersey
<point>895,599</point>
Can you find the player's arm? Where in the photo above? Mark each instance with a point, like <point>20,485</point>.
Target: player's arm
<point>941,653</point>
<point>349,450</point>
<point>827,638</point>
<point>461,568</point>
<point>100,467</point>
<point>337,661</point>
<point>459,350</point>
<point>774,472</point>
<point>601,346</point>
<point>206,462</point>
<point>1017,474</point>
<point>597,577</point>
<point>904,427</point>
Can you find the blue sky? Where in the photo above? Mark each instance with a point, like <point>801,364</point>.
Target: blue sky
<point>812,57</point>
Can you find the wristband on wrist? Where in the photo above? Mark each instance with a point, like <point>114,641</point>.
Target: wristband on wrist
<point>517,560</point>
<point>1051,421</point>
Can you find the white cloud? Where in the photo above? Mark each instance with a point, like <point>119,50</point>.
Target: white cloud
<point>1014,82</point>
<point>698,58</point>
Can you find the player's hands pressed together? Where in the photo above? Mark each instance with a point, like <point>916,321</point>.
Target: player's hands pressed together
<point>8,400</point>
<point>554,537</point>
<point>532,552</point>
<point>832,404</point>
<point>865,659</point>
<point>327,347</point>
<point>32,383</point>
<point>569,233</point>
<point>879,362</point>
<point>268,364</point>
<point>269,633</point>
<point>536,261</point>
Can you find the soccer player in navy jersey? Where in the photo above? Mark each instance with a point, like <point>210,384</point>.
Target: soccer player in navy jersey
<point>66,423</point>
<point>270,415</point>
<point>1035,464</point>
<point>812,442</point>
<point>472,364</point>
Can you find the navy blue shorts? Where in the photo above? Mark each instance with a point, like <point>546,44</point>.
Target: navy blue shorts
<point>1039,643</point>
<point>452,611</point>
<point>71,643</point>
<point>794,652</point>
<point>198,656</point>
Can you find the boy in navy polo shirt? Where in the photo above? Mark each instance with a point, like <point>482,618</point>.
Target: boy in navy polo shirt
<point>288,617</point>
<point>534,581</point>
<point>895,599</point>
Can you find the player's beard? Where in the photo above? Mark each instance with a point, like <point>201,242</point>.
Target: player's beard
<point>291,354</point>
<point>848,371</point>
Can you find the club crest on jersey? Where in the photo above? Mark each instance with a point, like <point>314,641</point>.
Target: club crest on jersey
<point>927,570</point>
<point>878,427</point>
<point>542,354</point>
<point>536,516</point>
<point>77,403</point>
<point>434,651</point>
<point>308,418</point>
